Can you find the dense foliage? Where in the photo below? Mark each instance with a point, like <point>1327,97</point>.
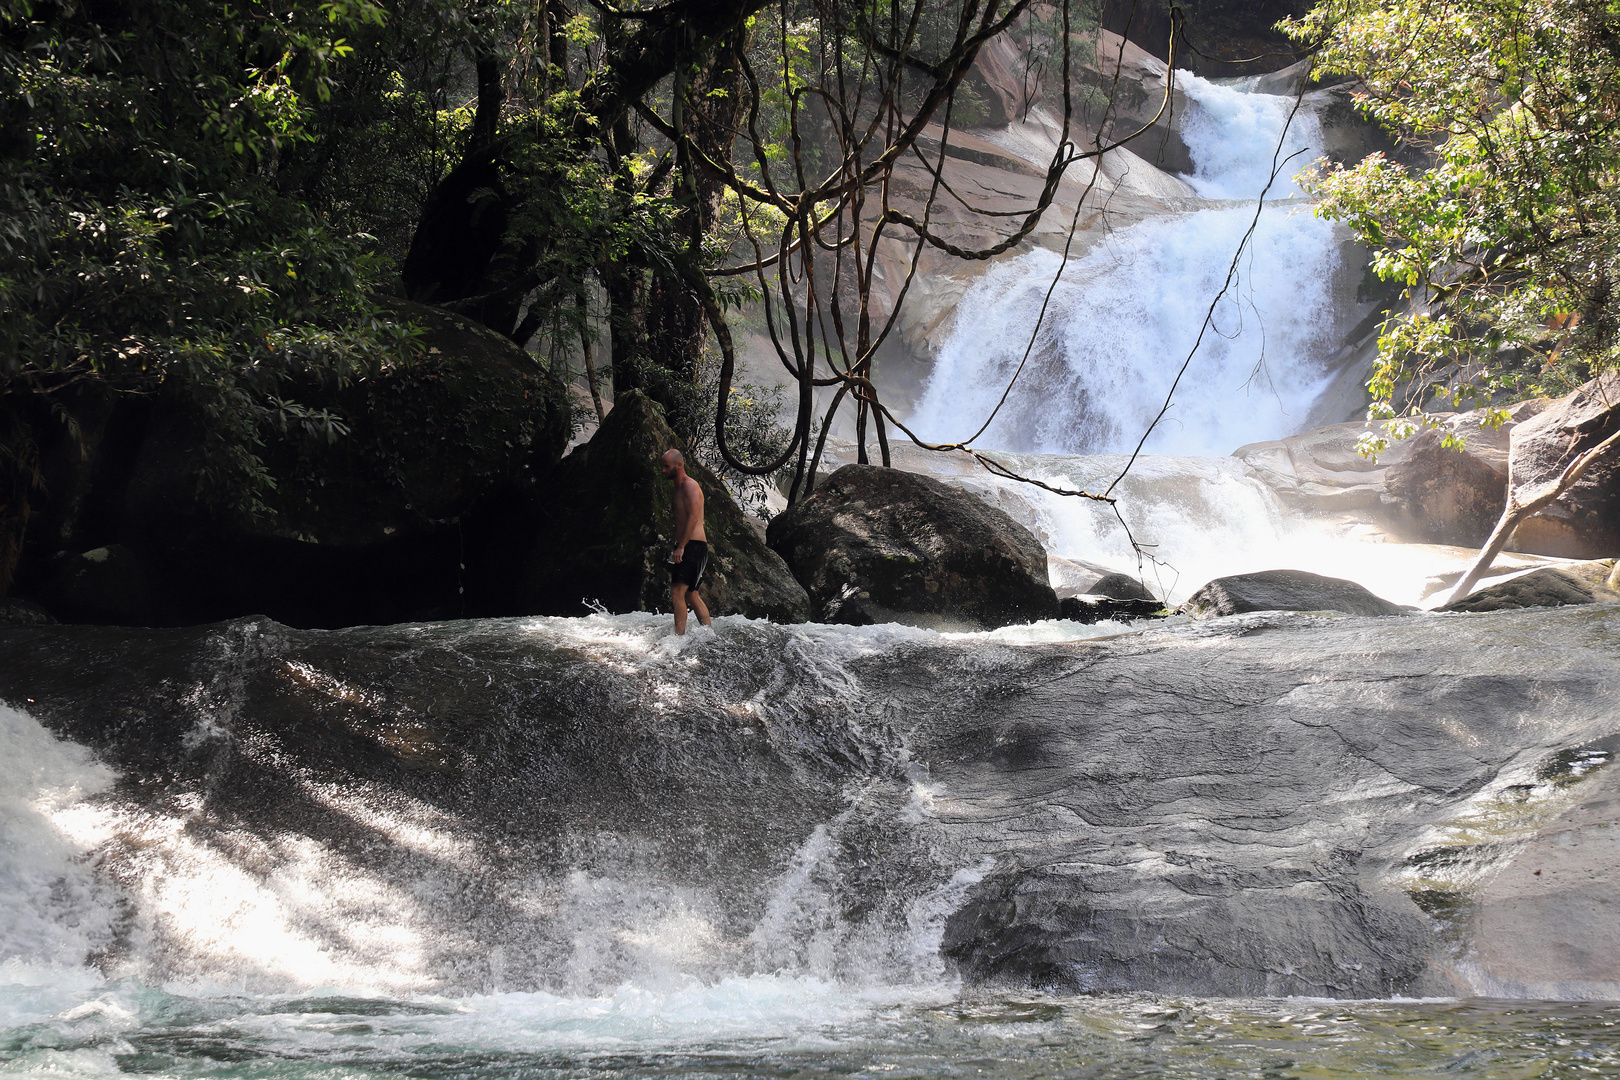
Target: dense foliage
<point>145,242</point>
<point>1507,237</point>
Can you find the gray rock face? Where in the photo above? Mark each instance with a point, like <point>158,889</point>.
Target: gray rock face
<point>882,545</point>
<point>1444,495</point>
<point>1284,590</point>
<point>1547,587</point>
<point>1585,522</point>
<point>1094,609</point>
<point>1270,804</point>
<point>1201,873</point>
<point>1417,488</point>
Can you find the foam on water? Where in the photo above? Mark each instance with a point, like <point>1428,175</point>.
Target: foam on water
<point>1233,137</point>
<point>211,907</point>
<point>768,1025</point>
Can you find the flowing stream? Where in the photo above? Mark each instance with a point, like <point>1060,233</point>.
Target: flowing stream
<point>1119,326</point>
<point>583,848</point>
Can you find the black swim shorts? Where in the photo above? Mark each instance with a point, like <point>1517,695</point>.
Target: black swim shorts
<point>689,571</point>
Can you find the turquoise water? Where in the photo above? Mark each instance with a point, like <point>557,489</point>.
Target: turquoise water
<point>773,1026</point>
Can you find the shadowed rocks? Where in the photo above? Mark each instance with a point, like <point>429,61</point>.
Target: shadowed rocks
<point>603,532</point>
<point>388,522</point>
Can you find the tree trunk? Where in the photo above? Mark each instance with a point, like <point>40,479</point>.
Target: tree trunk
<point>707,106</point>
<point>1522,503</point>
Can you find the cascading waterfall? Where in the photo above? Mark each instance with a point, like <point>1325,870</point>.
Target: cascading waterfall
<point>1121,322</point>
<point>1125,314</point>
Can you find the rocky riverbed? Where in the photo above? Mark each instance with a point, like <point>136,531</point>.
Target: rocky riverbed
<point>1259,804</point>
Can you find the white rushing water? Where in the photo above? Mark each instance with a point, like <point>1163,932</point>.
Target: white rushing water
<point>1197,518</point>
<point>792,1000</point>
<point>55,912</point>
<point>1126,314</point>
<point>1200,518</point>
<point>252,938</point>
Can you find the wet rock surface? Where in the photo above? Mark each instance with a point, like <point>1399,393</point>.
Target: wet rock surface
<point>882,545</point>
<point>1256,805</point>
<point>1094,609</point>
<point>1285,590</point>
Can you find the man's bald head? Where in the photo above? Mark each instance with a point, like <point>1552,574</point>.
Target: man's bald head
<point>671,461</point>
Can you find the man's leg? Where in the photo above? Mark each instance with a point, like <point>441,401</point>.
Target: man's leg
<point>677,599</point>
<point>698,606</point>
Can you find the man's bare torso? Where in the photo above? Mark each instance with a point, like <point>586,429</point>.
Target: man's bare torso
<point>688,503</point>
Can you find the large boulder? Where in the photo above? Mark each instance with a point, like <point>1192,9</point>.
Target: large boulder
<point>385,524</point>
<point>605,530</point>
<point>103,585</point>
<point>429,436</point>
<point>1418,489</point>
<point>1121,587</point>
<point>1446,495</point>
<point>1551,586</point>
<point>1584,523</point>
<point>881,545</point>
<point>1284,590</point>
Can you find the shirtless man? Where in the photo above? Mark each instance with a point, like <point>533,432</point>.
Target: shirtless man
<point>691,552</point>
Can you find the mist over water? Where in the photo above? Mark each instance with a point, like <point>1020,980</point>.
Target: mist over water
<point>1126,314</point>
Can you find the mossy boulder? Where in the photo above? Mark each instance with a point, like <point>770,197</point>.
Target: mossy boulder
<point>882,545</point>
<point>605,528</point>
<point>429,438</point>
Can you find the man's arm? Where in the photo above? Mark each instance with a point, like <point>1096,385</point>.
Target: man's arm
<point>688,511</point>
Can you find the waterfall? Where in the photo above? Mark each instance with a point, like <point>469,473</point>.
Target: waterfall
<point>1127,312</point>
